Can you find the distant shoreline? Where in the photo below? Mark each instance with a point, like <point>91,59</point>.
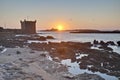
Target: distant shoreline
<point>85,31</point>
<point>94,31</point>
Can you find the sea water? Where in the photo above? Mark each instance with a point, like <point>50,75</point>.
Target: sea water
<point>83,37</point>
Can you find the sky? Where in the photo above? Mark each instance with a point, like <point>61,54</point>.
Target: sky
<point>71,14</point>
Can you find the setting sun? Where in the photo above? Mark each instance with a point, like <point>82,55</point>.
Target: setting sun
<point>60,27</point>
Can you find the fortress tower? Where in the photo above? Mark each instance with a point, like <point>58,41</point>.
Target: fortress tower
<point>28,27</point>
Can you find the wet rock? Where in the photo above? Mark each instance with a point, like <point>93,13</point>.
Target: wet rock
<point>69,76</point>
<point>118,42</point>
<point>110,43</point>
<point>93,69</point>
<point>50,37</point>
<point>56,59</point>
<point>43,55</point>
<point>95,42</point>
<point>1,48</point>
<point>86,76</point>
<point>83,66</point>
<point>42,38</point>
<point>103,43</point>
<point>103,70</point>
<point>116,73</point>
<point>106,48</point>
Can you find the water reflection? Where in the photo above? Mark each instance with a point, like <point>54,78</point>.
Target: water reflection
<point>73,67</point>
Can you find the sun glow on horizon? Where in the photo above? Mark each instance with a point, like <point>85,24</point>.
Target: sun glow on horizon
<point>60,27</point>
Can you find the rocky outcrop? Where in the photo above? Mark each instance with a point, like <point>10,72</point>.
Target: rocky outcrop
<point>110,43</point>
<point>86,76</point>
<point>50,37</point>
<point>118,42</point>
<point>95,42</point>
<point>101,60</point>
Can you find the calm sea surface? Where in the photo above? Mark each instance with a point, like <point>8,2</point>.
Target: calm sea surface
<point>82,37</point>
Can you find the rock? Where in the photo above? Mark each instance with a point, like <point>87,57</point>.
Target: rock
<point>56,59</point>
<point>110,43</point>
<point>1,48</point>
<point>86,76</point>
<point>43,55</point>
<point>20,59</point>
<point>42,38</point>
<point>69,76</point>
<point>18,52</point>
<point>106,48</point>
<point>118,42</point>
<point>103,43</point>
<point>95,42</point>
<point>83,66</point>
<point>103,70</point>
<point>50,37</point>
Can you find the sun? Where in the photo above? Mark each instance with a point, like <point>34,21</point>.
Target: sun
<point>60,27</point>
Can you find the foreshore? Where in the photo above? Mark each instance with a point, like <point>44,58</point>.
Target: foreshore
<point>20,60</point>
<point>27,64</point>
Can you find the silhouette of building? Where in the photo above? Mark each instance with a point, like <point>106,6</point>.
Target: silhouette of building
<point>28,27</point>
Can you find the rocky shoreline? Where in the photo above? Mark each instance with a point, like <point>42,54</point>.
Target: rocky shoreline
<point>104,61</point>
<point>21,59</point>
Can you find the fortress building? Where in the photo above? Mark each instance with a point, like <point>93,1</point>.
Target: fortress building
<point>28,27</point>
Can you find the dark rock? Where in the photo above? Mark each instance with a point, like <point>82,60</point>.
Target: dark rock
<point>83,66</point>
<point>110,43</point>
<point>1,48</point>
<point>18,52</point>
<point>118,42</point>
<point>106,48</point>
<point>93,69</point>
<point>103,43</point>
<point>9,54</point>
<point>50,37</point>
<point>43,55</point>
<point>86,76</point>
<point>42,38</point>
<point>103,70</point>
<point>1,29</point>
<point>95,42</point>
<point>20,59</point>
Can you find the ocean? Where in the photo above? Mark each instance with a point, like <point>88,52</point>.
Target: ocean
<point>83,37</point>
